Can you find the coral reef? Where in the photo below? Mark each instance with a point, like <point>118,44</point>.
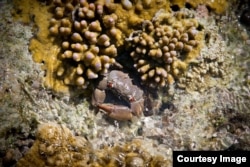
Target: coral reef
<point>91,31</point>
<point>62,46</point>
<point>165,46</point>
<point>88,34</point>
<point>206,65</point>
<point>209,112</point>
<point>57,146</point>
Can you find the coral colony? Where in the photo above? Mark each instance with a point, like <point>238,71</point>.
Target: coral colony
<point>84,40</point>
<point>92,33</point>
<point>160,48</point>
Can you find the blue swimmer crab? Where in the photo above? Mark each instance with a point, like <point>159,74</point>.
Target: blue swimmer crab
<point>121,85</point>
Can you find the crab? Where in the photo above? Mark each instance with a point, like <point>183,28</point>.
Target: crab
<point>121,85</point>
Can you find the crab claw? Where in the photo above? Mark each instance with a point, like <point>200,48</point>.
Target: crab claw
<point>137,107</point>
<point>98,97</point>
<point>117,112</point>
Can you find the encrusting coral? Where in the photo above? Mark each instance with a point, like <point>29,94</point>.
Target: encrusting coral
<point>55,145</point>
<point>164,47</point>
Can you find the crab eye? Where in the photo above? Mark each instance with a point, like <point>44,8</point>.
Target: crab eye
<point>110,85</point>
<point>131,99</point>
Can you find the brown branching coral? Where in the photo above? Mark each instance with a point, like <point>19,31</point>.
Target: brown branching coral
<point>89,33</point>
<point>88,36</point>
<point>163,48</point>
<point>78,40</point>
<point>83,39</point>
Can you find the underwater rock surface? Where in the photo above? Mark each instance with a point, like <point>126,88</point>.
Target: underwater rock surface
<point>206,108</point>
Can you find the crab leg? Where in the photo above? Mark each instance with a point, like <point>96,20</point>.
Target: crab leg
<point>117,112</point>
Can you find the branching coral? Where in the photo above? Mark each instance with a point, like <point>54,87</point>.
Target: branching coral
<point>88,36</point>
<point>161,50</point>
